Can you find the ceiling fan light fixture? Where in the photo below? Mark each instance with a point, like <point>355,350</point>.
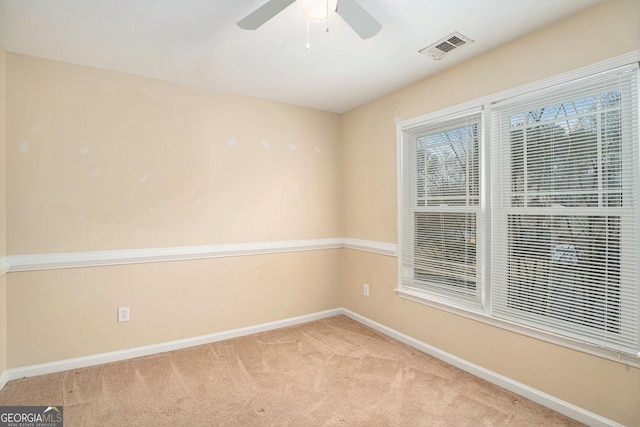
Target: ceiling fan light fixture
<point>318,10</point>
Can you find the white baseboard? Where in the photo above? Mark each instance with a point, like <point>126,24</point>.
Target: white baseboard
<point>558,405</point>
<point>530,393</point>
<point>114,356</point>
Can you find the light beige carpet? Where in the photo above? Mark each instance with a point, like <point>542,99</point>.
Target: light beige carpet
<point>333,371</point>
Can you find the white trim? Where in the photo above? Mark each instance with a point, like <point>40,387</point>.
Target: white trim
<point>181,253</point>
<point>628,59</point>
<point>114,356</point>
<point>381,248</point>
<point>4,379</point>
<point>523,390</point>
<point>16,263</point>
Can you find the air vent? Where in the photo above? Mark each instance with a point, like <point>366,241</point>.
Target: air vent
<point>441,47</point>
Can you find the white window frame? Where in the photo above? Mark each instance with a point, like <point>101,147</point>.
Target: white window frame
<point>440,291</point>
<point>482,312</point>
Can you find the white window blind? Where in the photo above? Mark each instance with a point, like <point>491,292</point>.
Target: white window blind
<point>566,210</point>
<point>441,213</point>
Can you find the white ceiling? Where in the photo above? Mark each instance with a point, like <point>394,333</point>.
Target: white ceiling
<point>197,42</point>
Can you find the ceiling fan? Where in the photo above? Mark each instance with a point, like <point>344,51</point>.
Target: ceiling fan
<point>353,14</point>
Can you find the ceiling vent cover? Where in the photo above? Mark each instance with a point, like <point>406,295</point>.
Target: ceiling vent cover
<point>443,46</point>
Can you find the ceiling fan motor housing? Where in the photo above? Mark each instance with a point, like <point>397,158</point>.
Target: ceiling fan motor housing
<point>318,10</point>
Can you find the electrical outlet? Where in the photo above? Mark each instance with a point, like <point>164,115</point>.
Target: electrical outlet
<point>123,314</point>
<point>365,290</point>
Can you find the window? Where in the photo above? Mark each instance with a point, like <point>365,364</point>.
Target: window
<point>565,255</point>
<point>442,199</point>
<point>555,248</point>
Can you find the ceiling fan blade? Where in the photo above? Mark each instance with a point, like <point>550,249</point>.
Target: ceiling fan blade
<point>262,14</point>
<point>358,18</point>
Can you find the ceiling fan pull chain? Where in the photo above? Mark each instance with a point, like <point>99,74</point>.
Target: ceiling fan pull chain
<point>327,29</point>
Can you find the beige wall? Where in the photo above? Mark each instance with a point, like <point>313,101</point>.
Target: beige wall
<point>100,160</point>
<point>103,160</point>
<point>61,314</point>
<point>369,155</point>
<point>3,233</point>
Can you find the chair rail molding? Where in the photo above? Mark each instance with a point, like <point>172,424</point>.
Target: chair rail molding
<point>4,265</point>
<point>51,261</point>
